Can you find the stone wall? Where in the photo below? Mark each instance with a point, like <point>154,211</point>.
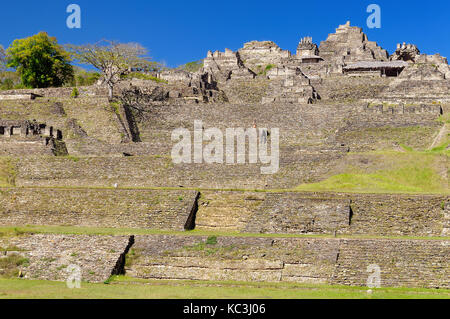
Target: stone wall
<point>25,148</point>
<point>160,171</point>
<point>409,263</point>
<point>155,209</point>
<point>17,96</point>
<point>280,213</point>
<point>324,213</point>
<point>49,257</point>
<point>85,91</point>
<point>403,263</point>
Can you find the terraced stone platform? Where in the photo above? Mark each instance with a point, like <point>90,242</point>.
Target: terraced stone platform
<point>408,263</point>
<point>324,213</point>
<point>153,209</point>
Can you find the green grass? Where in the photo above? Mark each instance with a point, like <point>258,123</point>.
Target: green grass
<point>410,172</point>
<point>71,157</point>
<point>445,118</point>
<point>126,288</point>
<point>9,265</point>
<point>211,240</point>
<point>7,172</point>
<point>143,76</point>
<point>192,66</point>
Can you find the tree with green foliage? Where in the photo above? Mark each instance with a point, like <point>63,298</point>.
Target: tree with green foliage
<point>40,61</point>
<point>112,58</point>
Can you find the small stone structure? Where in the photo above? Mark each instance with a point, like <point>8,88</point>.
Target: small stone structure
<point>27,129</point>
<point>436,60</point>
<point>30,138</point>
<point>405,52</point>
<point>262,53</point>
<point>227,65</point>
<point>307,51</point>
<point>375,68</point>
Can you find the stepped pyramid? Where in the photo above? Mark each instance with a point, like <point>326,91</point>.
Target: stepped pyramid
<point>350,44</point>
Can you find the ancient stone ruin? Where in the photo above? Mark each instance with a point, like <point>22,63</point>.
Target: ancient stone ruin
<point>358,131</point>
<point>288,77</point>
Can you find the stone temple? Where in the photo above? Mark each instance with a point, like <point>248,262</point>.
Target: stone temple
<point>362,179</point>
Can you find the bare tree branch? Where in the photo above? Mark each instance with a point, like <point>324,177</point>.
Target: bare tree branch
<point>112,58</point>
<point>140,102</point>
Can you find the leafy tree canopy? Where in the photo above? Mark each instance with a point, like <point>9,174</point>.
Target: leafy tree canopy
<point>40,61</point>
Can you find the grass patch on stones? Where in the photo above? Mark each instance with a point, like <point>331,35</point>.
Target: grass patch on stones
<point>7,172</point>
<point>395,172</point>
<point>9,265</point>
<point>208,235</point>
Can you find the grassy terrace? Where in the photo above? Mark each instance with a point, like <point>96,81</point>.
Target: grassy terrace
<point>123,288</point>
<point>378,172</point>
<point>73,230</point>
<point>408,172</point>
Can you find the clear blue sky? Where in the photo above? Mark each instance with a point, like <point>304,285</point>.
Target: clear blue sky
<point>182,31</point>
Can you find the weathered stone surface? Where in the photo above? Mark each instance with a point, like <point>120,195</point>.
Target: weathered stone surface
<point>49,256</point>
<point>30,96</point>
<point>96,208</point>
<point>259,85</point>
<point>226,66</point>
<point>349,44</point>
<point>289,85</point>
<point>409,263</point>
<point>308,213</point>
<point>405,52</point>
<point>262,53</point>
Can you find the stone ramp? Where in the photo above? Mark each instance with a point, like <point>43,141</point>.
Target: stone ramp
<point>403,263</point>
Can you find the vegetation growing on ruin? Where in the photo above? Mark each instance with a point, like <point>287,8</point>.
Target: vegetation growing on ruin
<point>143,76</point>
<point>9,265</point>
<point>7,172</point>
<point>192,66</point>
<point>411,172</point>
<point>77,230</point>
